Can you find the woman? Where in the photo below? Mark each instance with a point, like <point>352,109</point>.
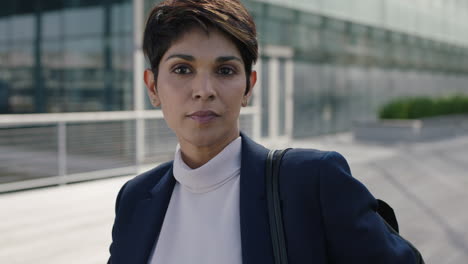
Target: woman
<point>208,205</point>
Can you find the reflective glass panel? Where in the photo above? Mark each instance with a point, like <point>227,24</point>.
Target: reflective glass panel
<point>84,75</point>
<point>122,18</point>
<point>22,77</point>
<point>52,24</point>
<point>23,27</point>
<point>4,32</point>
<point>85,20</point>
<point>52,72</point>
<point>4,80</point>
<point>122,72</point>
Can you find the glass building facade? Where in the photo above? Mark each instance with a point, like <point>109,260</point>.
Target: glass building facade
<point>65,56</point>
<point>76,55</point>
<point>75,67</point>
<point>350,57</point>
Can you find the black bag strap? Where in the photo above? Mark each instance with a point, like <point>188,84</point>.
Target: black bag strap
<point>274,205</point>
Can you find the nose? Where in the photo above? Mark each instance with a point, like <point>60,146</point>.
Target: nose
<point>203,87</point>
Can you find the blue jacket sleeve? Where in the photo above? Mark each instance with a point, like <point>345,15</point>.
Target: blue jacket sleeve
<point>112,246</point>
<point>354,231</point>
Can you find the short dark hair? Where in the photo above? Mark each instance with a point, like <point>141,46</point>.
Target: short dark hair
<point>168,21</point>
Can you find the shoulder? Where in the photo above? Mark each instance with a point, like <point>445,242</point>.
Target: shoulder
<point>306,170</point>
<point>313,160</point>
<point>149,178</point>
<point>142,184</point>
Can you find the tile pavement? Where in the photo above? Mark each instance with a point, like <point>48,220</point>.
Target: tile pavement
<point>426,183</point>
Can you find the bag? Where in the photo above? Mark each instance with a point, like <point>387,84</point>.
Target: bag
<point>280,254</point>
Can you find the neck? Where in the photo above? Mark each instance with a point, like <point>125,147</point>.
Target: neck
<point>196,156</point>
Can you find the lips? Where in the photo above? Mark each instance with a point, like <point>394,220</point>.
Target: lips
<point>203,116</point>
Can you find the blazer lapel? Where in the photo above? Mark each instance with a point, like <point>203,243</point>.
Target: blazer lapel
<point>256,242</point>
<point>147,220</point>
<point>255,233</point>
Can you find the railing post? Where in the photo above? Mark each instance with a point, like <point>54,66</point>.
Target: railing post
<point>62,152</point>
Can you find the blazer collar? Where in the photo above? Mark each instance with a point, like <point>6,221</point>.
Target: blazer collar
<point>148,218</point>
<point>256,243</point>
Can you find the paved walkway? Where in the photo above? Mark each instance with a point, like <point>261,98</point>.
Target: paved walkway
<point>425,183</point>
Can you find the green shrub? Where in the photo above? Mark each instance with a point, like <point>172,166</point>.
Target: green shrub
<point>420,107</point>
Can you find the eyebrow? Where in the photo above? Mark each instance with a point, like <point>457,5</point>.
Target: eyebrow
<point>182,56</point>
<point>220,59</point>
<point>227,58</point>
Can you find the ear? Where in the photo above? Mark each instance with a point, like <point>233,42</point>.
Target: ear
<point>253,80</point>
<point>151,88</point>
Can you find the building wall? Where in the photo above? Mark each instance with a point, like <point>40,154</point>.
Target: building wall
<point>349,57</point>
<point>73,56</point>
<point>344,70</point>
<point>442,20</point>
<point>65,56</point>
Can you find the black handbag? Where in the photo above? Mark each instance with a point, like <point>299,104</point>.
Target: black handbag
<point>280,253</point>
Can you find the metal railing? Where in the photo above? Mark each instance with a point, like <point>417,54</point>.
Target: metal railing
<point>53,149</point>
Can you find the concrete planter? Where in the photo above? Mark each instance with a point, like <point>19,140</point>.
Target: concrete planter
<point>417,130</point>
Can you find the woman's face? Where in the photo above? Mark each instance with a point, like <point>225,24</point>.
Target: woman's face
<point>201,87</point>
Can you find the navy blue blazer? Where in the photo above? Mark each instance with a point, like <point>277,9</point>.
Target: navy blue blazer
<point>329,217</point>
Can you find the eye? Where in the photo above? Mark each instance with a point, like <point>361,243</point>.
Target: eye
<point>182,70</point>
<point>226,71</point>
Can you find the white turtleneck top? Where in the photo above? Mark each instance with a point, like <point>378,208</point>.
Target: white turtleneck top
<point>202,223</point>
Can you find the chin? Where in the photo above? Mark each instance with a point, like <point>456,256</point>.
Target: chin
<point>206,138</point>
